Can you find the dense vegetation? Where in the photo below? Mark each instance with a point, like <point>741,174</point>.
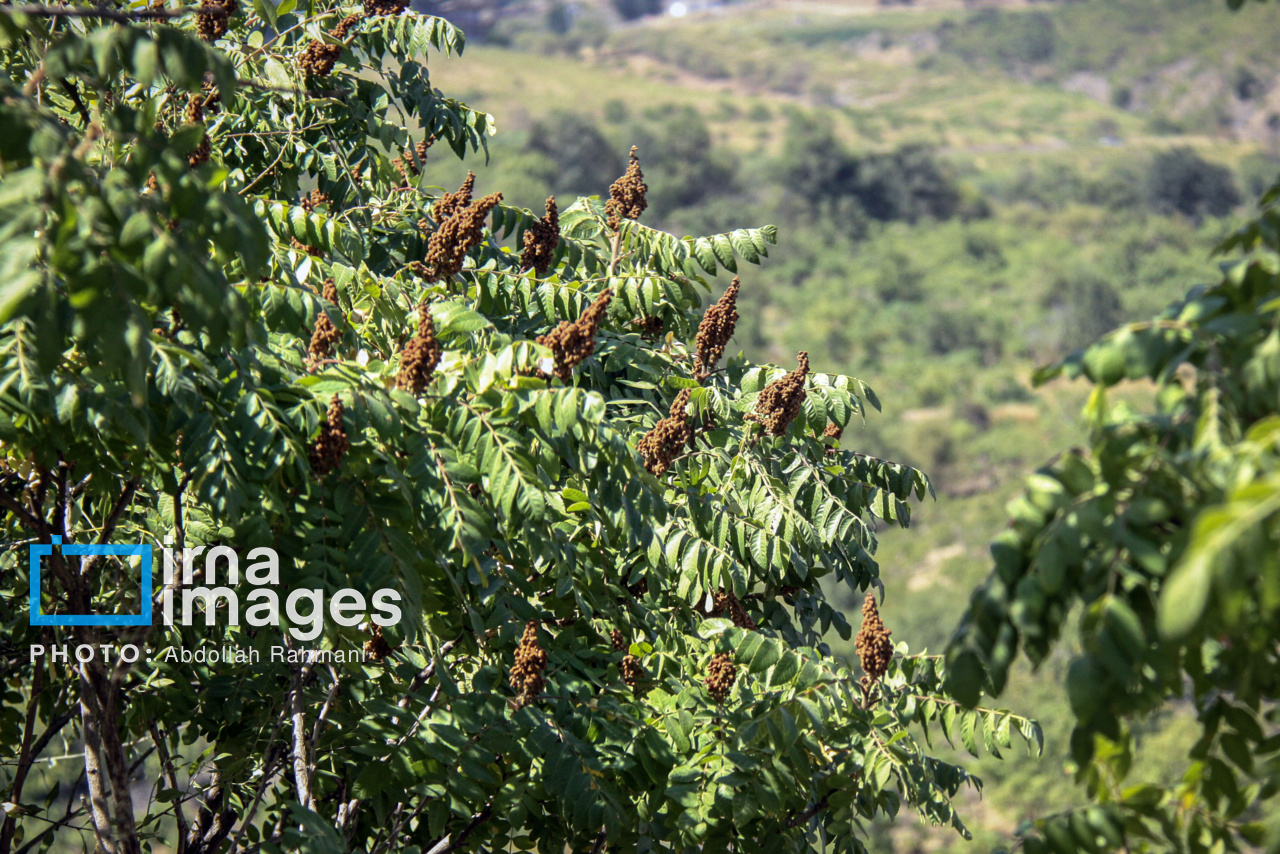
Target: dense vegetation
<point>1164,532</point>
<point>239,320</point>
<point>961,195</point>
<point>1095,180</point>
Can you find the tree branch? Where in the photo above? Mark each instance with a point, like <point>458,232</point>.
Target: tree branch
<point>25,516</point>
<point>109,14</point>
<point>445,846</point>
<point>425,673</point>
<point>62,509</point>
<point>215,822</point>
<point>809,813</point>
<point>99,812</point>
<point>166,763</point>
<point>301,748</point>
<point>293,90</point>
<point>401,821</point>
<point>74,94</point>
<point>113,519</point>
<point>67,816</point>
<point>24,761</point>
<point>267,772</point>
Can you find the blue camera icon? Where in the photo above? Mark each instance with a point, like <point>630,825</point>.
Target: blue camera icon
<point>139,550</point>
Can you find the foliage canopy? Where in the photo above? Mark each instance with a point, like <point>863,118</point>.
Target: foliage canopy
<point>1164,534</point>
<point>235,314</point>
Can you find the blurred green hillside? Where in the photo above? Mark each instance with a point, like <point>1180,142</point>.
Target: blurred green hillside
<point>961,194</point>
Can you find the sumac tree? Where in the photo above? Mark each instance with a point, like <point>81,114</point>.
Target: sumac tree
<point>235,316</point>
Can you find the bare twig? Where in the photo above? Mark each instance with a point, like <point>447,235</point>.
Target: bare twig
<point>422,716</point>
<point>293,90</point>
<point>264,173</point>
<point>324,710</point>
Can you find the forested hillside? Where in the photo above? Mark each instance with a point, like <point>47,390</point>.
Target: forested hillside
<point>963,194</point>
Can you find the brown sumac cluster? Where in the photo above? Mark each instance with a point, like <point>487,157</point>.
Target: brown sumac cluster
<point>200,154</point>
<point>329,290</point>
<point>450,203</point>
<point>618,640</point>
<point>721,674</point>
<point>715,330</point>
<point>420,356</point>
<point>872,643</point>
<point>408,164</point>
<point>725,602</point>
<point>668,438</point>
<point>331,445</point>
<point>195,116</point>
<point>780,402</point>
<point>213,19</point>
<point>315,199</point>
<point>650,327</point>
<point>461,227</point>
<point>325,334</point>
<point>627,194</point>
<point>385,7</point>
<point>297,244</point>
<point>376,647</point>
<point>833,431</point>
<point>540,241</point>
<point>531,660</point>
<point>318,58</point>
<point>639,589</point>
<point>572,343</point>
<point>632,670</point>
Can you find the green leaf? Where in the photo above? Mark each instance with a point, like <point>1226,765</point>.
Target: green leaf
<point>452,318</point>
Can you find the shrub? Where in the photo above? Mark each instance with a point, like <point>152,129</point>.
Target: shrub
<point>907,183</point>
<point>632,9</point>
<point>585,160</point>
<point>1180,181</point>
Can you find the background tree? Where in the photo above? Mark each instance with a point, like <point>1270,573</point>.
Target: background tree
<point>584,160</point>
<point>1180,180</point>
<point>632,9</point>
<point>234,313</point>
